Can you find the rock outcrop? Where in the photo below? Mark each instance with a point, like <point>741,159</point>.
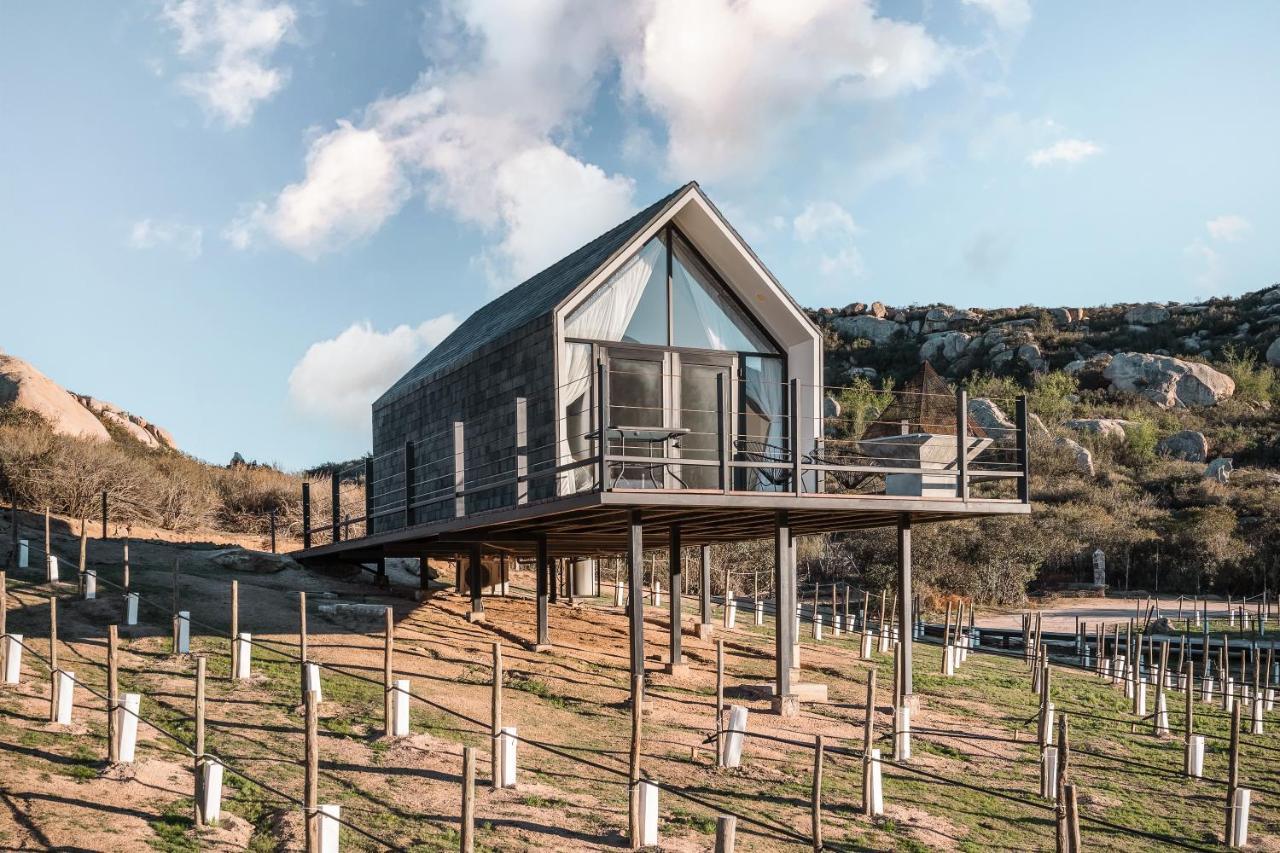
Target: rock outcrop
<point>75,415</point>
<point>865,327</point>
<point>1105,427</point>
<point>1083,458</point>
<point>1187,445</point>
<point>24,387</point>
<point>1167,381</point>
<point>1219,470</point>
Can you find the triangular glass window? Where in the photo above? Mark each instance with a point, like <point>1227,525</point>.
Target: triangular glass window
<point>631,306</point>
<point>704,315</point>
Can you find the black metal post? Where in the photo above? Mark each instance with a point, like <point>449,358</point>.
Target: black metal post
<point>962,444</point>
<point>784,599</point>
<point>273,530</point>
<point>475,581</point>
<point>676,617</point>
<point>306,515</point>
<point>335,505</point>
<point>602,424</point>
<point>794,433</point>
<point>635,591</point>
<point>104,513</point>
<point>544,577</point>
<point>722,433</point>
<point>368,495</point>
<point>1024,455</point>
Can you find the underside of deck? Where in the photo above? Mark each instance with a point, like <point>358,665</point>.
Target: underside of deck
<point>596,523</point>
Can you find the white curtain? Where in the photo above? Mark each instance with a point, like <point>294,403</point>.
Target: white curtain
<point>603,317</point>
<point>764,388</point>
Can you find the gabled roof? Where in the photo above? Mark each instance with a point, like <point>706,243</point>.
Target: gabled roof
<point>533,298</point>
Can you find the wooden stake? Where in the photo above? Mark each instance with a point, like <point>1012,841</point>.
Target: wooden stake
<point>1074,844</point>
<point>495,712</point>
<point>637,692</point>
<point>48,538</point>
<point>1060,810</point>
<point>303,649</point>
<point>84,545</point>
<point>53,659</point>
<point>235,630</point>
<point>868,738</point>
<point>818,750</point>
<point>113,694</point>
<point>4,618</point>
<point>200,817</point>
<point>388,652</point>
<point>467,835</point>
<point>311,791</point>
<point>726,833</point>
<point>719,703</point>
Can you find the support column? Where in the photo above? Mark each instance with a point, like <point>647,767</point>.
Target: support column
<point>784,581</point>
<point>543,569</point>
<point>475,574</point>
<point>675,660</point>
<point>905,614</point>
<point>635,593</point>
<point>704,594</point>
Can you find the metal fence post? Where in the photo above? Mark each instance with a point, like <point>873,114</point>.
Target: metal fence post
<point>306,515</point>
<point>368,495</point>
<point>962,444</point>
<point>1024,456</point>
<point>602,425</point>
<point>335,505</point>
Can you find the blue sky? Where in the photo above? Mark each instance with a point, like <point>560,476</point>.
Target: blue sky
<point>244,218</point>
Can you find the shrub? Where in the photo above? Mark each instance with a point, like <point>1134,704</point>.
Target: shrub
<point>1256,382</point>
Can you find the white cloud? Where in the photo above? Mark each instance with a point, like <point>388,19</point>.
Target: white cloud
<point>1063,151</point>
<point>1229,228</point>
<point>339,378</point>
<point>822,217</point>
<point>159,233</point>
<point>354,181</point>
<point>1008,14</point>
<point>831,229</point>
<point>731,80</point>
<point>235,39</point>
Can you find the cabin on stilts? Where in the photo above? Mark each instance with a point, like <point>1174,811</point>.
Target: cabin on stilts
<point>656,388</point>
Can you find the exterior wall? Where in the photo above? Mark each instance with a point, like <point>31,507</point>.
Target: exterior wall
<point>481,393</point>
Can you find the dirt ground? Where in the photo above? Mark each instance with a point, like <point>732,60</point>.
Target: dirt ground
<point>569,705</point>
<point>1061,613</point>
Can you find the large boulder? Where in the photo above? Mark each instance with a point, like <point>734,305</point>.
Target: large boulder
<point>1219,470</point>
<point>1083,458</point>
<point>24,387</point>
<point>1188,445</point>
<point>131,428</point>
<point>1167,381</point>
<point>947,346</point>
<point>256,562</point>
<point>865,327</point>
<point>991,418</point>
<point>1105,427</point>
<point>1146,315</point>
<point>1273,352</point>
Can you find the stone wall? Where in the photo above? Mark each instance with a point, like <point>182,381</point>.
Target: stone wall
<point>481,393</point>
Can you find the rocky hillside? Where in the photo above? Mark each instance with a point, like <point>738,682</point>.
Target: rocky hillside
<point>24,388</point>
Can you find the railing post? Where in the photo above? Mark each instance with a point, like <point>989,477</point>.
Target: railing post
<point>306,515</point>
<point>459,470</point>
<point>368,496</point>
<point>409,490</point>
<point>335,505</point>
<point>722,432</point>
<point>522,451</point>
<point>962,444</point>
<point>602,424</point>
<point>1024,455</point>
<point>793,388</point>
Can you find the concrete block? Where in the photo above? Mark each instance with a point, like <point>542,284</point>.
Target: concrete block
<point>786,706</point>
<point>705,631</point>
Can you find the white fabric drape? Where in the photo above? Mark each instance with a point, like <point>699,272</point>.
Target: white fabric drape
<point>603,317</point>
<point>764,388</point>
